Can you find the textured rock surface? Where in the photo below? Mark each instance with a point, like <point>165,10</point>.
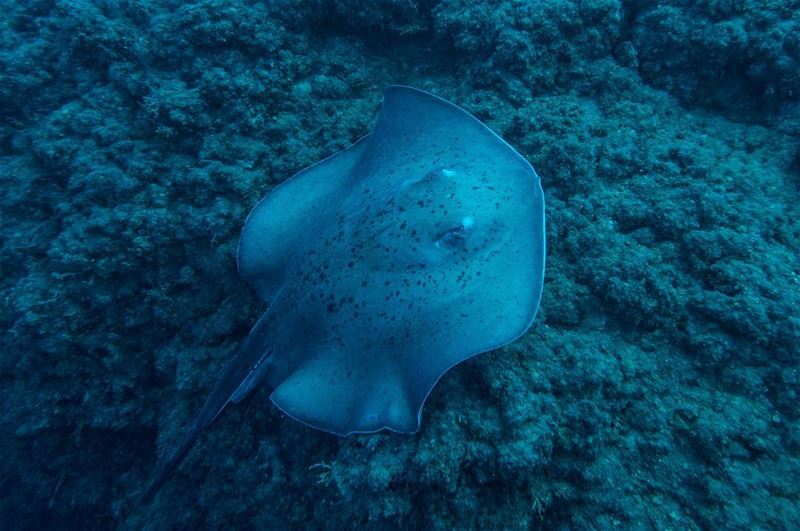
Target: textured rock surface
<point>658,387</point>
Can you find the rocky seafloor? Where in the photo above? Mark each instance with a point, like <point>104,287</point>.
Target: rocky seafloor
<point>658,387</point>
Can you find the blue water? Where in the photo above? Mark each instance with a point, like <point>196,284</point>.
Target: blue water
<point>657,388</point>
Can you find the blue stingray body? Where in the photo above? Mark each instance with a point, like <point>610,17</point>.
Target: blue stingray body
<point>384,265</point>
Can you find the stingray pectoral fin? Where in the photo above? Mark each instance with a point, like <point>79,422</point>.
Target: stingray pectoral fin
<point>330,394</point>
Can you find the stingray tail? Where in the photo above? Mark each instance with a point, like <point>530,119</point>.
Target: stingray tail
<point>240,376</point>
<point>170,466</point>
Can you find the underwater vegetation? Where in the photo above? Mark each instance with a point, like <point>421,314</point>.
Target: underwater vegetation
<point>657,388</point>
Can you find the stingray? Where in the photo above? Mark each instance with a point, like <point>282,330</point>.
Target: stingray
<point>383,266</point>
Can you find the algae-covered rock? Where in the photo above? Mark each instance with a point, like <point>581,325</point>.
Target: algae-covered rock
<point>734,55</point>
<point>657,388</point>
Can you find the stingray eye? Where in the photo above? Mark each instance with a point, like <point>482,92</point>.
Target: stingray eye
<point>454,236</point>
